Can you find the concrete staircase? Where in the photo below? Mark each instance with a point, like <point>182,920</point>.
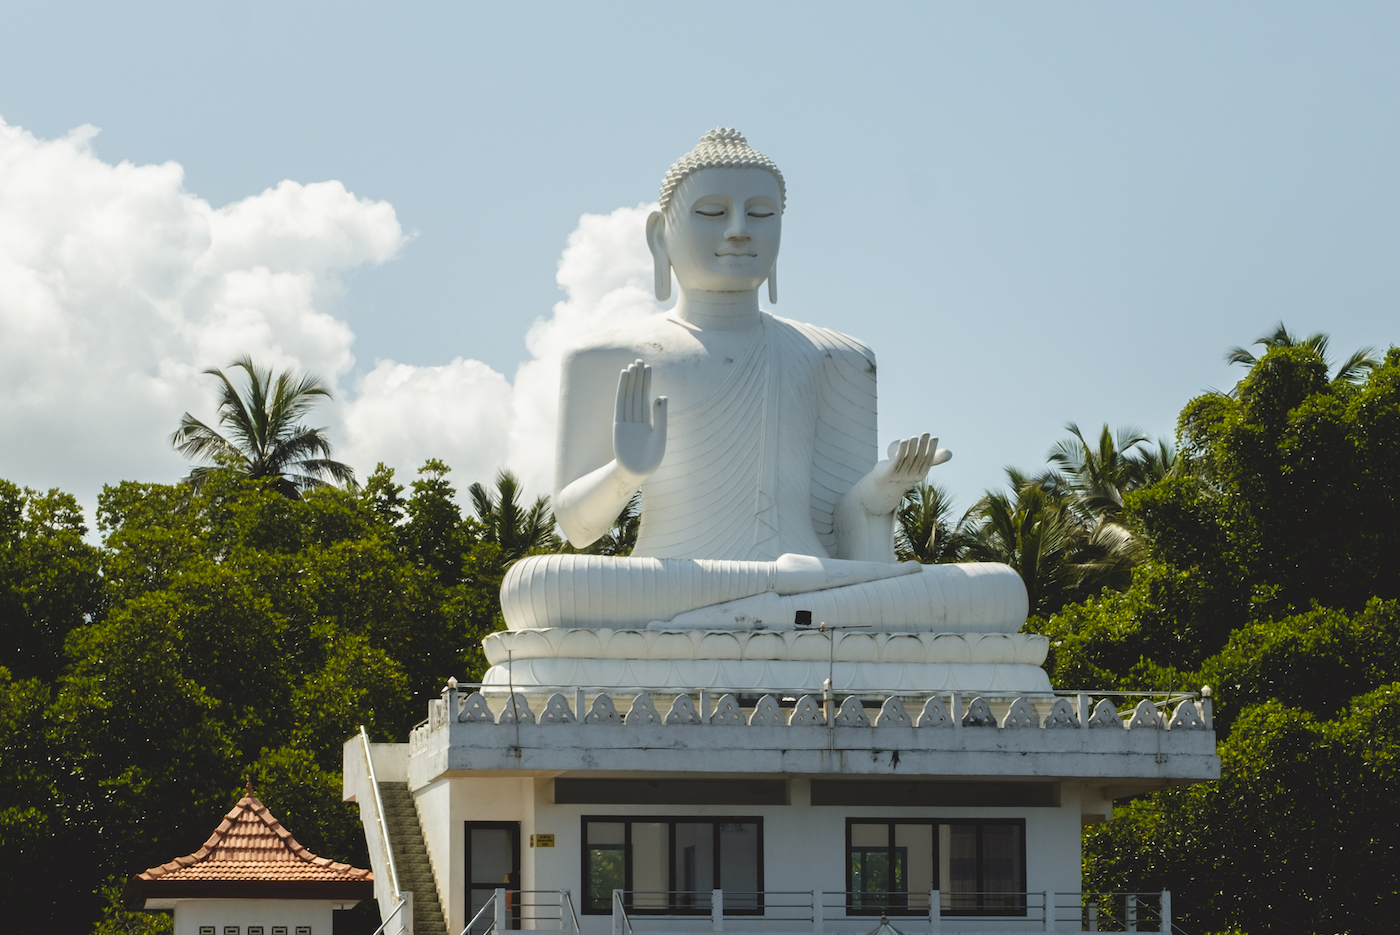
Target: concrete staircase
<point>411,858</point>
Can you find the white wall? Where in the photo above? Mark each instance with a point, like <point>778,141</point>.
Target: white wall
<point>444,806</point>
<point>804,845</point>
<point>190,914</point>
<point>390,765</point>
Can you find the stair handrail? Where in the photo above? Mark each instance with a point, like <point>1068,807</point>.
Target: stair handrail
<point>566,899</point>
<point>402,902</point>
<point>622,925</point>
<point>490,904</point>
<point>379,819</point>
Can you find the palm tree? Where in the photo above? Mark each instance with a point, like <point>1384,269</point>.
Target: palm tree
<point>265,437</point>
<point>1158,464</point>
<point>922,532</point>
<point>517,530</point>
<point>1027,529</point>
<point>1036,530</point>
<point>1354,368</point>
<point>1098,475</point>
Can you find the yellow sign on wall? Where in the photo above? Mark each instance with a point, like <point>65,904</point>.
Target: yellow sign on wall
<point>541,840</point>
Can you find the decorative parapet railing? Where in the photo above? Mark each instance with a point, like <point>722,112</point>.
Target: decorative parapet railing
<point>1132,741</point>
<point>668,707</point>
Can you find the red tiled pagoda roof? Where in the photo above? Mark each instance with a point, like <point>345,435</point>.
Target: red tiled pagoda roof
<point>251,856</point>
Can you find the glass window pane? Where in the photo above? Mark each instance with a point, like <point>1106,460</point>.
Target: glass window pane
<point>695,864</point>
<point>478,897</point>
<point>606,872</point>
<point>672,865</point>
<point>607,832</point>
<point>607,862</point>
<point>962,866</point>
<point>870,877</point>
<point>1001,865</point>
<point>870,835</point>
<point>914,851</point>
<point>651,864</point>
<point>945,845</point>
<point>492,856</point>
<point>738,864</point>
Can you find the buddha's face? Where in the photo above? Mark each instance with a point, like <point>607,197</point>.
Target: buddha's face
<point>722,229</point>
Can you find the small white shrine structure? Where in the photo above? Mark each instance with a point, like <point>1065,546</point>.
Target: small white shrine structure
<point>759,721</point>
<point>250,878</point>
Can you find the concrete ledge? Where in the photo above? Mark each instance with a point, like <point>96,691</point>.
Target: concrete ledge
<point>1154,758</point>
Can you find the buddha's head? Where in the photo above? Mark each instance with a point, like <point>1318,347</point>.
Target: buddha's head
<point>721,219</point>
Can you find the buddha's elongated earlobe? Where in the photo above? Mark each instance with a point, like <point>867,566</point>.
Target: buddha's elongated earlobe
<point>773,284</point>
<point>662,272</point>
<point>660,257</point>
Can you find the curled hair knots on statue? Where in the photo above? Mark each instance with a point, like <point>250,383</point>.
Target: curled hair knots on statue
<point>721,148</point>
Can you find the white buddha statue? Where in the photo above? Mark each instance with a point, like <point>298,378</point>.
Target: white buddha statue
<point>752,439</point>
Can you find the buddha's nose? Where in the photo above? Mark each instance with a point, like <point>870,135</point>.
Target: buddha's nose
<point>739,227</point>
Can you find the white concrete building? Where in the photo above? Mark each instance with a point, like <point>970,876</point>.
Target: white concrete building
<point>776,811</point>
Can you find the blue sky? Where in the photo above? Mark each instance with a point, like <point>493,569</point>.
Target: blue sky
<point>1033,212</point>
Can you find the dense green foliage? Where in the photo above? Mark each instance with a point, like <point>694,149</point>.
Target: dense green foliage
<point>216,636</point>
<point>1299,835</point>
<point>1272,573</point>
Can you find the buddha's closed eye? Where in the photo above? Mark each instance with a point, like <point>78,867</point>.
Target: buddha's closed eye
<point>710,211</point>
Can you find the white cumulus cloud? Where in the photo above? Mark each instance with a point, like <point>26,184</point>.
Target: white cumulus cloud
<point>469,415</point>
<point>118,288</point>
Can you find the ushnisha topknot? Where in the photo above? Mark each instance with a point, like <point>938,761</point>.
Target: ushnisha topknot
<point>722,148</point>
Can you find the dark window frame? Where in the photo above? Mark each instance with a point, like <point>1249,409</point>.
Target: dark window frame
<point>586,906</point>
<point>896,910</point>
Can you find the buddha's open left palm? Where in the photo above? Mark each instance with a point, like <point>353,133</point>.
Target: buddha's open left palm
<point>909,462</point>
<point>639,425</point>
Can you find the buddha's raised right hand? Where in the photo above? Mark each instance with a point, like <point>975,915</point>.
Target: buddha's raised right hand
<point>639,424</point>
<point>587,506</point>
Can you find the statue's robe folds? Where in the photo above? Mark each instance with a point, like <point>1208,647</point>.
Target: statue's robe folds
<point>751,472</point>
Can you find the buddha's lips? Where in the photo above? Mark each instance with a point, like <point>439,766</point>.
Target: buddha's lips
<point>737,254</point>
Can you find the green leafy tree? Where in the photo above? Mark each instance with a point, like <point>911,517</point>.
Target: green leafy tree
<point>1316,661</point>
<point>265,436</point>
<point>37,813</point>
<point>1282,498</point>
<point>49,578</point>
<point>235,633</point>
<point>1272,575</point>
<point>117,919</point>
<point>436,536</point>
<point>221,632</point>
<point>384,495</point>
<point>1298,836</point>
<point>474,607</point>
<point>1302,472</point>
<point>1028,529</point>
